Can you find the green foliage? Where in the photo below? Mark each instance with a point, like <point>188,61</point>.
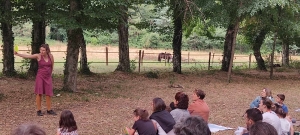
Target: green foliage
<point>2,96</point>
<point>132,65</point>
<point>295,64</point>
<point>152,74</point>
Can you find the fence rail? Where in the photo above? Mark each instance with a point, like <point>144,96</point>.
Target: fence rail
<point>141,57</point>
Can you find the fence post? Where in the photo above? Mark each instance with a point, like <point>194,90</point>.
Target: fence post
<point>250,60</point>
<point>209,57</point>
<point>106,52</point>
<point>165,58</point>
<point>212,60</point>
<point>188,57</point>
<point>139,60</point>
<point>142,57</point>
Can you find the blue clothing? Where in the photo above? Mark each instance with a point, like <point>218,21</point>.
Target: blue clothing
<point>256,101</point>
<point>284,108</point>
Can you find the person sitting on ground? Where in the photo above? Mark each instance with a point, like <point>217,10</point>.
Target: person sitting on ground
<point>268,115</point>
<point>28,129</point>
<point>199,107</point>
<point>262,128</point>
<point>251,116</point>
<point>279,99</point>
<point>181,103</point>
<point>67,124</point>
<point>193,125</point>
<point>162,118</point>
<point>265,93</point>
<point>143,125</point>
<point>286,125</point>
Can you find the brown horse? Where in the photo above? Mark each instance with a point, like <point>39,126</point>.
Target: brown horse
<point>166,56</point>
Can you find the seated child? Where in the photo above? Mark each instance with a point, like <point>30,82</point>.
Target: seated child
<point>67,124</point>
<point>279,99</point>
<point>143,125</point>
<point>286,125</point>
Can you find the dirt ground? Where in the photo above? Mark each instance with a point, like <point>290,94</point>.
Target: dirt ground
<point>104,103</point>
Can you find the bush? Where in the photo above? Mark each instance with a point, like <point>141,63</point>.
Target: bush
<point>152,74</point>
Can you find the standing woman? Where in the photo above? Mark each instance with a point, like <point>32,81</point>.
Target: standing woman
<point>43,81</point>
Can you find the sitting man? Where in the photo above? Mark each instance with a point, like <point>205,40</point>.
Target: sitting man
<point>252,116</point>
<point>199,107</point>
<point>193,125</point>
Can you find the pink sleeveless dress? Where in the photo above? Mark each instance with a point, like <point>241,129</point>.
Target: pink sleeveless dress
<point>43,80</point>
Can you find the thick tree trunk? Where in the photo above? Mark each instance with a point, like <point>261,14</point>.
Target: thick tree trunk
<point>285,52</point>
<point>70,73</point>
<point>75,38</point>
<point>84,68</point>
<point>229,41</point>
<point>124,61</point>
<point>259,39</point>
<point>7,39</point>
<point>38,34</point>
<point>177,38</point>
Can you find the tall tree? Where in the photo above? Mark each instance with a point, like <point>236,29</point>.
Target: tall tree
<point>38,32</point>
<point>124,61</point>
<point>177,17</point>
<point>75,38</point>
<point>7,38</point>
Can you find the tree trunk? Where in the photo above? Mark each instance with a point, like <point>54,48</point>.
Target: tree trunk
<point>38,34</point>
<point>229,41</point>
<point>75,38</point>
<point>177,38</point>
<point>7,39</point>
<point>259,39</point>
<point>285,52</point>
<point>84,68</point>
<point>124,62</point>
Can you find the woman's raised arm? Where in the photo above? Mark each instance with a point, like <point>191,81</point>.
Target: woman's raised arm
<point>28,56</point>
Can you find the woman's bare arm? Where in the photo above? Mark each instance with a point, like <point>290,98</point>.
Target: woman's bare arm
<point>28,56</point>
<point>52,60</point>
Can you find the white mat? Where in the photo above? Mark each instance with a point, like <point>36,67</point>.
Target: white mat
<point>215,128</point>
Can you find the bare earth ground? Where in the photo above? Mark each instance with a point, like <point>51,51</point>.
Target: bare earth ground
<point>105,102</point>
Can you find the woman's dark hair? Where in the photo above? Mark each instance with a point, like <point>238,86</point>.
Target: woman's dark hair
<point>158,105</point>
<point>67,121</point>
<point>182,99</point>
<point>200,93</point>
<point>143,114</point>
<point>262,128</point>
<point>254,114</point>
<point>268,102</point>
<point>279,111</point>
<point>193,125</point>
<point>46,46</point>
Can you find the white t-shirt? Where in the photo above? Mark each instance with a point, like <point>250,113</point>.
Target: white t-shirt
<point>285,125</point>
<point>273,119</point>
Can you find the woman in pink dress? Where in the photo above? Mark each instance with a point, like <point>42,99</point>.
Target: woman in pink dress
<point>43,81</point>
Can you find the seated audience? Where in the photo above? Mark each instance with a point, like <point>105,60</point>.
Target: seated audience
<point>199,107</point>
<point>181,103</point>
<point>193,125</point>
<point>268,115</point>
<point>286,125</point>
<point>67,124</point>
<point>143,125</point>
<point>262,128</point>
<point>265,93</point>
<point>279,99</point>
<point>28,129</point>
<point>252,116</point>
<point>162,118</point>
